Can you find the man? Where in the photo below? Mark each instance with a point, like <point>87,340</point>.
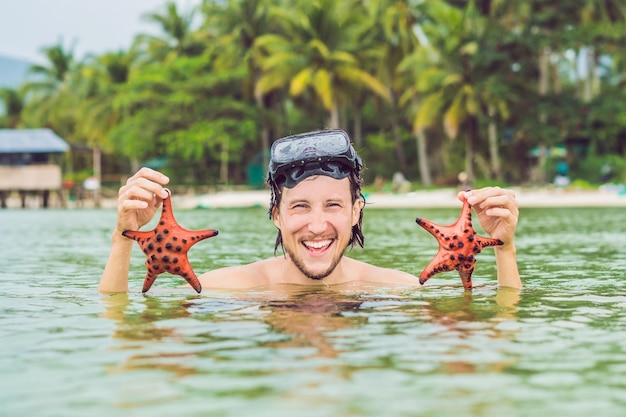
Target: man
<point>317,207</point>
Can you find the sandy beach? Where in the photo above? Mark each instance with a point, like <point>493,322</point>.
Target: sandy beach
<point>606,196</point>
<point>440,198</point>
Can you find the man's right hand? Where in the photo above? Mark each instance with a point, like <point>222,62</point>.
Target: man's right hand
<point>139,199</point>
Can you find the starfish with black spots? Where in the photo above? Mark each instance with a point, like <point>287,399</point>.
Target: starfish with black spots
<point>458,246</point>
<point>166,247</point>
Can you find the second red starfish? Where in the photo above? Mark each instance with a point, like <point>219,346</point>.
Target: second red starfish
<point>458,246</point>
<point>166,247</point>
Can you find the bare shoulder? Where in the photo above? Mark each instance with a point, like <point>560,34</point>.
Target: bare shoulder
<point>275,271</point>
<point>372,273</point>
<point>235,277</point>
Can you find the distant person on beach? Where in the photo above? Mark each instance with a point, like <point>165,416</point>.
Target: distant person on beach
<point>317,206</point>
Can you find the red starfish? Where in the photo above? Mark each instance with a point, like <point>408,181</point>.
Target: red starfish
<point>166,247</point>
<point>458,246</point>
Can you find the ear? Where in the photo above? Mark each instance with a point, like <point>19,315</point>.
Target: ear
<point>276,216</point>
<point>356,211</point>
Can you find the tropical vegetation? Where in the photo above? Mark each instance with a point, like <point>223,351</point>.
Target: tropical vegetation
<point>502,90</point>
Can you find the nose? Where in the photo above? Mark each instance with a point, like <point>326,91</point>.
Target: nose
<point>318,222</point>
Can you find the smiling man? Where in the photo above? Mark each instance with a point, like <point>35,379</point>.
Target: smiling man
<point>317,206</point>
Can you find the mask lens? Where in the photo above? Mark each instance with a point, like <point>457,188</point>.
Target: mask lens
<point>316,145</point>
<point>319,153</point>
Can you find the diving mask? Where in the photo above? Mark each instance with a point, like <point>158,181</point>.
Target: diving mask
<point>326,152</point>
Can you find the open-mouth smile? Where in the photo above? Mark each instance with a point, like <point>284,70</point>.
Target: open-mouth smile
<point>317,246</point>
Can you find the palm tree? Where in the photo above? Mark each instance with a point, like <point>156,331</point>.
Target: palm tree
<point>101,80</point>
<point>601,24</point>
<point>50,99</point>
<point>49,79</point>
<point>188,112</point>
<point>230,31</point>
<point>13,103</point>
<point>453,80</point>
<point>313,57</point>
<point>177,38</point>
<point>498,37</point>
<point>394,33</point>
<point>443,79</point>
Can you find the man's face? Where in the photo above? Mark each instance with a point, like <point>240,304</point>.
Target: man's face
<point>315,219</point>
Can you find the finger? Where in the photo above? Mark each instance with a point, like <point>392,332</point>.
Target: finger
<point>145,179</point>
<point>492,197</point>
<point>143,189</point>
<point>508,202</point>
<point>502,212</point>
<point>149,174</point>
<point>503,200</point>
<point>134,204</point>
<point>478,195</point>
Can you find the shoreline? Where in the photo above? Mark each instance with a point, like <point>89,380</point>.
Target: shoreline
<point>605,196</point>
<point>439,198</point>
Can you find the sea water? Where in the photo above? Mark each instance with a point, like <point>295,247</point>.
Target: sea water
<point>556,348</point>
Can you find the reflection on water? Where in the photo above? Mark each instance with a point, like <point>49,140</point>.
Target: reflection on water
<point>556,348</point>
<point>299,345</point>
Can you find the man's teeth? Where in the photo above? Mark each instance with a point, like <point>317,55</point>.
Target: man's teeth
<point>318,244</point>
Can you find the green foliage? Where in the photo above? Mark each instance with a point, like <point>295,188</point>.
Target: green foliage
<point>184,112</point>
<point>378,156</point>
<point>490,183</point>
<point>581,184</point>
<point>12,102</point>
<point>600,169</point>
<point>472,85</point>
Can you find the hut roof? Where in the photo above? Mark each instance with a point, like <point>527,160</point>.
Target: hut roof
<point>31,141</point>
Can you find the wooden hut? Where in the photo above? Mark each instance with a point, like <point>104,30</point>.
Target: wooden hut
<point>29,163</point>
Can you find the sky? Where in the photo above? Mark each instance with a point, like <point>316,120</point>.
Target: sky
<point>96,26</point>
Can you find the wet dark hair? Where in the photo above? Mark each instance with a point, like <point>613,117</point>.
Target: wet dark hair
<point>355,190</point>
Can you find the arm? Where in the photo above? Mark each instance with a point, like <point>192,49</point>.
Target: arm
<point>498,212</point>
<point>137,203</point>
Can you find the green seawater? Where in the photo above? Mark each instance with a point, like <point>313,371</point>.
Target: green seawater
<point>557,348</point>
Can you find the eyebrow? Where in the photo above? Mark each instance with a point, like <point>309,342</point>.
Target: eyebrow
<point>308,200</point>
